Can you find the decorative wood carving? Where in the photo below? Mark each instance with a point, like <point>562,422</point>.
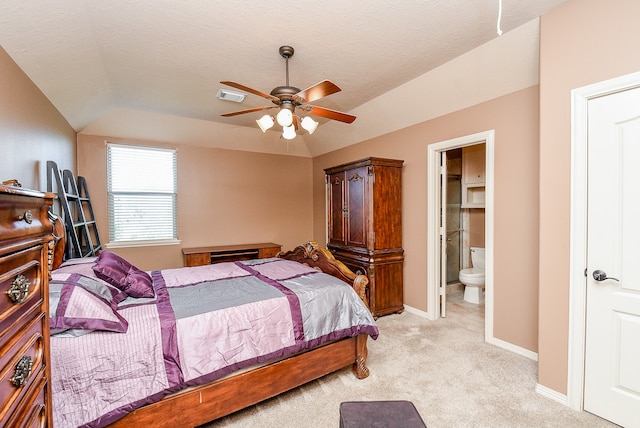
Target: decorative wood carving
<point>360,368</point>
<point>312,255</point>
<point>56,247</point>
<point>355,177</point>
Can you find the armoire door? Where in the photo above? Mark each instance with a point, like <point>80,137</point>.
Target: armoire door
<point>337,208</point>
<point>357,207</point>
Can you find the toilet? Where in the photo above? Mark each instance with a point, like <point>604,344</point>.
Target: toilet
<point>473,278</point>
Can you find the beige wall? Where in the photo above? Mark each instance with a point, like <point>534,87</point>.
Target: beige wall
<point>515,120</point>
<point>32,130</point>
<point>476,227</point>
<point>224,197</point>
<point>582,42</point>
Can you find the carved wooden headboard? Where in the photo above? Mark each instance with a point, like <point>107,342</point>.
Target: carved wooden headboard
<point>322,259</point>
<point>57,245</point>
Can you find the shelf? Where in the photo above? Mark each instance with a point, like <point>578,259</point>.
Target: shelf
<point>228,253</point>
<point>473,196</point>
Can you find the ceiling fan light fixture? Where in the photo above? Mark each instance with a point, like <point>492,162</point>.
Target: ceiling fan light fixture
<point>309,124</point>
<point>289,98</point>
<point>284,117</point>
<point>289,132</point>
<point>265,122</point>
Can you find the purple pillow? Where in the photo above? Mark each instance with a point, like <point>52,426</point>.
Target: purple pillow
<point>78,302</point>
<point>81,309</point>
<point>120,273</point>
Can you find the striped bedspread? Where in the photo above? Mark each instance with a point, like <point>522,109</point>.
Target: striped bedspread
<point>204,323</point>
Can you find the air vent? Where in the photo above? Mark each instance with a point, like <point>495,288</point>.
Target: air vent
<point>236,97</point>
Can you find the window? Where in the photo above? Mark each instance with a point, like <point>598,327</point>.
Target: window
<point>141,188</point>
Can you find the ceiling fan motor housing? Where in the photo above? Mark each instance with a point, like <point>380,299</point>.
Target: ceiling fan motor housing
<point>285,93</point>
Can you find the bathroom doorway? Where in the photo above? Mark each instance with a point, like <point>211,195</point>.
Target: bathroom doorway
<point>455,210</point>
<point>464,232</point>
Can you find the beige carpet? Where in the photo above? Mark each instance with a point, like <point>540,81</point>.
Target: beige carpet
<point>452,376</point>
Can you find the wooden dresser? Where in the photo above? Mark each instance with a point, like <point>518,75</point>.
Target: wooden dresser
<point>365,226</point>
<point>25,233</point>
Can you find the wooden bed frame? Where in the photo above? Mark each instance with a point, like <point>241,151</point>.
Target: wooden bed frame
<point>205,403</point>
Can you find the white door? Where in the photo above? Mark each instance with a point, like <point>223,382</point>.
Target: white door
<point>443,234</point>
<point>612,344</point>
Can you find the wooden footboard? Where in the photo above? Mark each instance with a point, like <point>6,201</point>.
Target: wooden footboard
<point>208,402</point>
<point>223,397</point>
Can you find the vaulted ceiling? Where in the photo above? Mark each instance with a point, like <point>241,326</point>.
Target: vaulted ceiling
<point>150,69</point>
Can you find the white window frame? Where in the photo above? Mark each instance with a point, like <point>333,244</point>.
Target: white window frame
<point>167,240</point>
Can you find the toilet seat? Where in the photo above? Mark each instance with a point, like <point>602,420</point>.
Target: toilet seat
<point>472,277</point>
<point>472,272</point>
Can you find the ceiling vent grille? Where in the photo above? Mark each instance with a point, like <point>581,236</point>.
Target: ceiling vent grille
<point>236,97</point>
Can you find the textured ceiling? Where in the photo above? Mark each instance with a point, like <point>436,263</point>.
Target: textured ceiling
<point>97,60</point>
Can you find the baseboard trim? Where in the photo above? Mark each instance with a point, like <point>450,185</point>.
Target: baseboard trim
<point>418,312</point>
<point>513,348</point>
<point>554,395</point>
<point>492,340</point>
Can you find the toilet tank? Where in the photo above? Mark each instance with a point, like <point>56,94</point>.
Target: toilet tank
<point>477,257</point>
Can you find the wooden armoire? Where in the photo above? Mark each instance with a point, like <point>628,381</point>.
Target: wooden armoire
<point>365,226</point>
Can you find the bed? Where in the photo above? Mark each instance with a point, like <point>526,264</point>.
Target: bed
<point>182,347</point>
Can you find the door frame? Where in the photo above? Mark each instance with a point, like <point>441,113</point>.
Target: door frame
<point>433,213</point>
<point>578,241</point>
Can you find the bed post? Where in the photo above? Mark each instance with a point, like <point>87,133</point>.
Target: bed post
<point>360,283</point>
<point>360,365</point>
<point>321,258</point>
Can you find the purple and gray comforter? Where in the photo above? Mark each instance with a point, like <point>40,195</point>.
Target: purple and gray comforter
<point>204,323</point>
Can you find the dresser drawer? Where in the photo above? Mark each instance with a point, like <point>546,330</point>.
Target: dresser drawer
<point>22,217</point>
<point>16,354</point>
<point>32,412</point>
<point>20,285</point>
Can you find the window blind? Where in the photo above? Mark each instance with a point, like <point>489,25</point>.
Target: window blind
<point>141,187</point>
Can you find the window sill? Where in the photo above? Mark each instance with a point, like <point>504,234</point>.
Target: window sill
<point>150,243</point>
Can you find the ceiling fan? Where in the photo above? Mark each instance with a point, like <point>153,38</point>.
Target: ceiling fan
<point>288,99</point>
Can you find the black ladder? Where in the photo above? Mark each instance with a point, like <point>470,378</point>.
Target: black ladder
<point>83,239</point>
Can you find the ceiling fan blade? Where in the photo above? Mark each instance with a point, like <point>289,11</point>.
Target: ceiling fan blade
<point>319,90</point>
<point>250,90</point>
<point>250,110</point>
<point>330,114</point>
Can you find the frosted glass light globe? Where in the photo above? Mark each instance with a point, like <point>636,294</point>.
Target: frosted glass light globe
<point>284,117</point>
<point>289,132</point>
